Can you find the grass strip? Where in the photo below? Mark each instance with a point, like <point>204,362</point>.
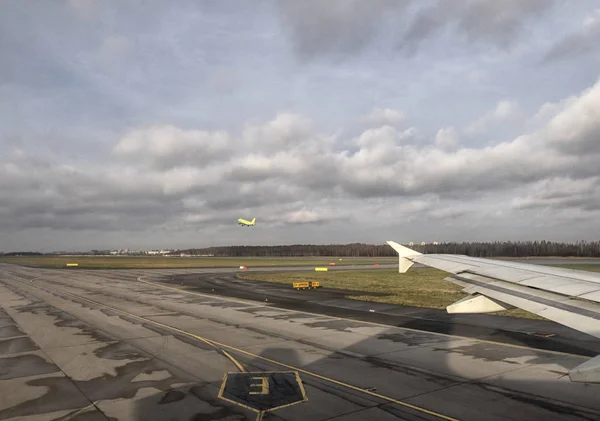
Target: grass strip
<point>419,287</point>
<point>151,262</point>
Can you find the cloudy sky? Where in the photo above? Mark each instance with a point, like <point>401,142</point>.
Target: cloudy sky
<point>146,124</point>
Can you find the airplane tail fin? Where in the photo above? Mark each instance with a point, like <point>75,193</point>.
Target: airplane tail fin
<point>404,256</point>
<point>253,220</point>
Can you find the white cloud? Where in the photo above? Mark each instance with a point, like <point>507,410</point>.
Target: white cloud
<point>286,130</point>
<point>576,130</point>
<point>550,109</point>
<point>447,138</point>
<point>385,164</point>
<point>304,216</point>
<point>169,146</point>
<point>560,193</point>
<point>202,177</point>
<point>504,110</point>
<point>382,116</point>
<point>131,124</point>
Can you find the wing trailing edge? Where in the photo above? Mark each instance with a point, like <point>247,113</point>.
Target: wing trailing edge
<point>565,296</point>
<point>477,304</point>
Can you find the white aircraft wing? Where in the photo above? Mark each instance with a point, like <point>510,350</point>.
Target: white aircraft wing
<point>566,296</point>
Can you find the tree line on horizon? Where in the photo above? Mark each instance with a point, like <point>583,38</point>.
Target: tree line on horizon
<point>475,249</point>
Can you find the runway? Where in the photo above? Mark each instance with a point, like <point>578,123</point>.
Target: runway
<point>139,345</point>
<point>517,331</point>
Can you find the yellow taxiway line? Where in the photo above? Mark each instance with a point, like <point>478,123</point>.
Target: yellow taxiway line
<point>250,302</point>
<point>241,351</point>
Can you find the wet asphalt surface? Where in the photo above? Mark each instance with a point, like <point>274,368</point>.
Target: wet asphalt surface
<point>539,334</point>
<point>139,345</point>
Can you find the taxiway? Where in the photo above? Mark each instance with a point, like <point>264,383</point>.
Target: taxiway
<point>139,345</point>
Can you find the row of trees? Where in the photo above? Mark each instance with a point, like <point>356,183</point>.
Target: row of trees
<point>477,249</point>
<point>481,249</point>
<point>23,253</point>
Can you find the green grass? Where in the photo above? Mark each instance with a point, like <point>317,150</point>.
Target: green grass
<point>146,262</point>
<point>419,287</point>
<point>422,287</point>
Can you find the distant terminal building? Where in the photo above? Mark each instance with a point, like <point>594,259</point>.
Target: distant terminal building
<point>155,252</point>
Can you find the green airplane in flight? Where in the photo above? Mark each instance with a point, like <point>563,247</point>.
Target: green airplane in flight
<point>243,222</point>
